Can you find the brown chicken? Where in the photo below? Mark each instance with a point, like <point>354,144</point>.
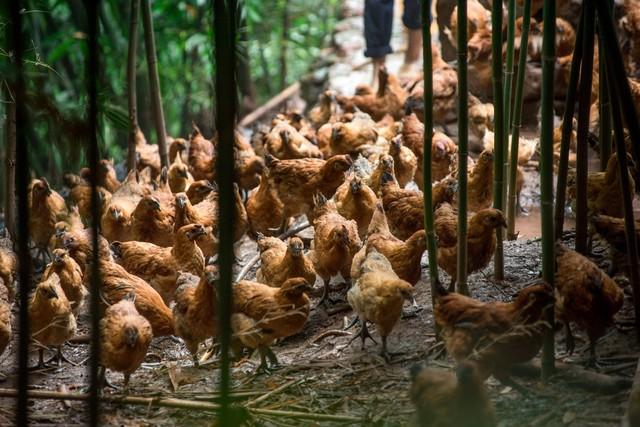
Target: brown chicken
<point>201,156</point>
<point>377,297</point>
<point>263,314</point>
<point>265,211</point>
<point>388,99</point>
<point>325,108</point>
<point>480,183</point>
<point>605,196</point>
<point>280,261</point>
<point>107,176</point>
<point>179,177</point>
<point>350,137</point>
<point>78,244</point>
<point>297,181</point>
<point>81,197</point>
<point>356,200</point>
<point>151,223</point>
<point>126,336</point>
<point>385,165</point>
<point>71,279</point>
<point>248,169</point>
<point>405,208</point>
<point>285,142</point>
<point>404,256</point>
<point>613,231</point>
<point>404,161</point>
<point>5,319</point>
<point>117,283</point>
<point>46,208</point>
<point>116,220</point>
<point>51,320</point>
<point>8,270</point>
<point>148,156</point>
<point>527,147</point>
<point>160,266</point>
<point>584,295</point>
<point>194,313</point>
<point>200,190</point>
<point>178,146</point>
<point>204,213</point>
<point>481,239</point>
<point>335,242</point>
<point>443,399</point>
<point>494,334</point>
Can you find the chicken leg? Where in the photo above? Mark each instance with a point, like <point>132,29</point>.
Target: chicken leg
<point>363,334</point>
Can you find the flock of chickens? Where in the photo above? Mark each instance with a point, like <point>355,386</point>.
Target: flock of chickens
<point>351,166</point>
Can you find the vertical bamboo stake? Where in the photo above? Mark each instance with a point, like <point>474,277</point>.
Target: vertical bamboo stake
<point>14,33</point>
<point>427,60</point>
<point>508,90</point>
<point>604,105</point>
<point>226,107</point>
<point>131,83</point>
<point>463,147</point>
<point>154,81</point>
<point>517,123</point>
<point>567,127</point>
<point>584,106</point>
<point>10,163</point>
<point>92,76</point>
<point>546,174</point>
<point>498,107</point>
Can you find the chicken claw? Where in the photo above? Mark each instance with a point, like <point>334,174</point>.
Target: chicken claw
<point>363,334</point>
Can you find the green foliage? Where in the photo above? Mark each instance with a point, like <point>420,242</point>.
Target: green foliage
<point>54,32</point>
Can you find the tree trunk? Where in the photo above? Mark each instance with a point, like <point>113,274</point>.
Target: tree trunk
<point>283,45</point>
<point>131,83</point>
<point>154,81</point>
<point>10,166</point>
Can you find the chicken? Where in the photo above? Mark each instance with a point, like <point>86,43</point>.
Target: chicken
<point>200,190</point>
<point>79,245</point>
<point>442,149</point>
<point>404,161</point>
<point>388,99</point>
<point>178,146</point>
<point>201,156</point>
<point>107,176</point>
<point>72,223</point>
<point>116,221</point>
<point>151,223</point>
<point>356,200</point>
<point>8,270</point>
<point>527,147</point>
<point>404,256</point>
<point>478,17</point>
<point>481,239</point>
<point>70,276</point>
<point>147,155</point>
<point>606,197</point>
<point>81,197</point>
<point>204,213</point>
<point>584,295</point>
<point>5,320</point>
<point>264,209</point>
<point>297,181</point>
<point>321,113</point>
<point>385,165</point>
<point>405,208</point>
<point>179,177</point>
<point>51,320</point>
<point>377,297</point>
<point>351,137</point>
<point>262,314</point>
<point>285,142</point>
<point>446,400</point>
<point>248,169</point>
<point>480,183</point>
<point>194,313</point>
<point>613,231</point>
<point>160,266</point>
<point>496,335</point>
<point>117,283</point>
<point>335,242</point>
<point>480,121</point>
<point>125,335</point>
<point>46,208</point>
<point>280,261</point>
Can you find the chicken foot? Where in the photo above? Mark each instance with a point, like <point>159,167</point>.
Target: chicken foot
<point>267,367</point>
<point>363,334</point>
<point>59,357</point>
<point>569,341</point>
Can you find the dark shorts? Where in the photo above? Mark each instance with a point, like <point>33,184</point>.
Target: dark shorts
<point>378,23</point>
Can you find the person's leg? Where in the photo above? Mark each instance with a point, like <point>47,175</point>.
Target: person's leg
<point>378,23</point>
<point>411,18</point>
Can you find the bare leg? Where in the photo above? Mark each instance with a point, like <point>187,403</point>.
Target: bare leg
<point>414,46</point>
<point>377,63</point>
<point>325,293</point>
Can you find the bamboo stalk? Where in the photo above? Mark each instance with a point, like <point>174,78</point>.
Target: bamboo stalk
<point>627,196</point>
<point>517,123</point>
<point>584,107</point>
<point>508,90</point>
<point>427,65</point>
<point>132,56</point>
<point>498,107</point>
<point>178,404</point>
<point>604,105</point>
<point>567,127</point>
<point>546,174</point>
<point>226,109</point>
<point>154,82</point>
<point>463,148</point>
<point>10,163</point>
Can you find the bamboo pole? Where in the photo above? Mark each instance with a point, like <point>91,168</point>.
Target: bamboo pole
<point>14,33</point>
<point>226,108</point>
<point>508,91</point>
<point>92,76</point>
<point>427,65</point>
<point>131,83</point>
<point>567,127</point>
<point>584,107</point>
<point>10,163</point>
<point>498,107</point>
<point>463,148</point>
<point>604,105</point>
<point>517,123</point>
<point>154,81</point>
<point>627,196</point>
<point>546,174</point>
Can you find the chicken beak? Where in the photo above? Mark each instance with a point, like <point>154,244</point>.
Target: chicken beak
<point>116,214</point>
<point>181,202</point>
<point>57,259</point>
<point>52,293</point>
<point>184,173</point>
